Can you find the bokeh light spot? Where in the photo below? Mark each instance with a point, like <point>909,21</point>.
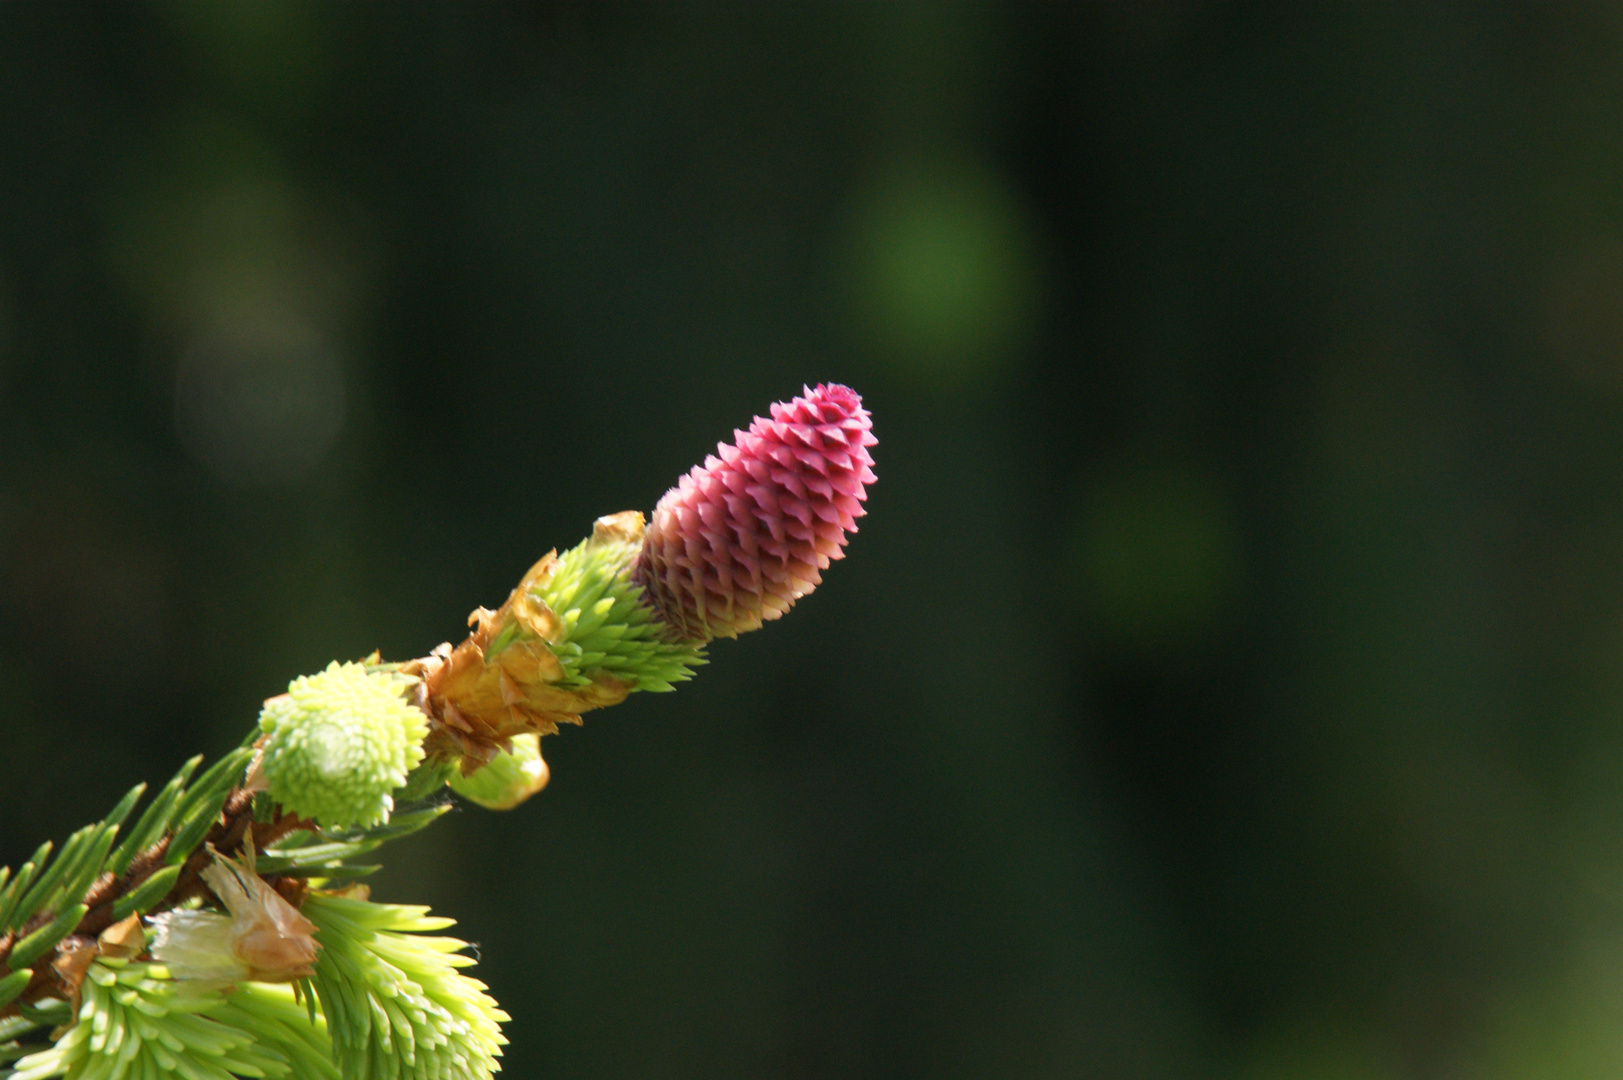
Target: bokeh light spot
<point>944,273</point>
<point>259,402</point>
<point>1567,1028</point>
<point>1313,1054</point>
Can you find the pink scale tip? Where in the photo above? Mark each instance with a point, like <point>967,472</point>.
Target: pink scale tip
<point>740,538</point>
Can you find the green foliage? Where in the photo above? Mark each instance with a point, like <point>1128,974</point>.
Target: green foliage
<point>273,1015</point>
<point>144,895</point>
<point>10,899</point>
<point>323,854</point>
<point>339,743</point>
<point>14,984</point>
<point>196,810</point>
<point>154,820</point>
<point>607,626</point>
<point>48,894</point>
<point>118,813</point>
<point>36,944</point>
<point>134,1024</point>
<point>394,1000</point>
<point>134,1020</point>
<point>58,878</point>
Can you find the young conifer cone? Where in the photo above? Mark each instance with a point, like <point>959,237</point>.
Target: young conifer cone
<point>742,537</point>
<point>735,543</point>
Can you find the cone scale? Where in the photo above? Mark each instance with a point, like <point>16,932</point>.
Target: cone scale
<point>742,537</point>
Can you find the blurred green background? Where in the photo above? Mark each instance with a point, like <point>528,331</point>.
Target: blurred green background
<point>1228,679</point>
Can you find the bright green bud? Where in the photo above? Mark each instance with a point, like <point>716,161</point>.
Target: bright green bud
<point>507,779</point>
<point>339,743</point>
<point>394,1001</point>
<point>133,1023</point>
<point>608,626</point>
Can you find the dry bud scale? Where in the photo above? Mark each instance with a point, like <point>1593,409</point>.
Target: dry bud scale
<point>158,950</point>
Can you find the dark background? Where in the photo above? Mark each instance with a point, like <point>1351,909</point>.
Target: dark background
<point>1228,679</point>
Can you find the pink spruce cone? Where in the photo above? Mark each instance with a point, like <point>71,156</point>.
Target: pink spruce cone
<point>739,539</point>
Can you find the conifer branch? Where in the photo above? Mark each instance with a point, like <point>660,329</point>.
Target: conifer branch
<point>234,881</point>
